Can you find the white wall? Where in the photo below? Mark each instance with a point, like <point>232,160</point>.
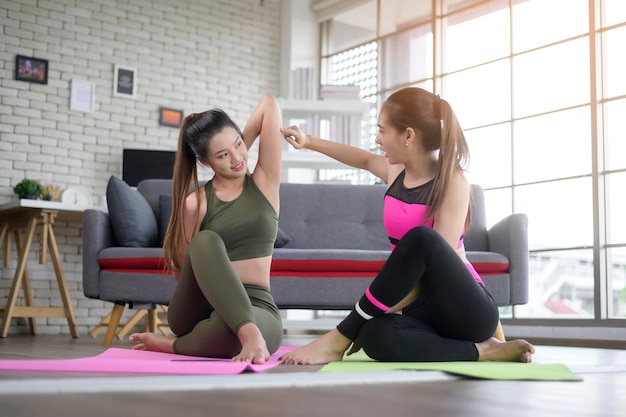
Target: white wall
<point>189,54</point>
<point>299,39</point>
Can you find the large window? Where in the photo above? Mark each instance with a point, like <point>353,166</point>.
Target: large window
<point>539,87</point>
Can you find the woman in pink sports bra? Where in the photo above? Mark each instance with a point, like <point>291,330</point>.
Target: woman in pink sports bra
<point>442,310</point>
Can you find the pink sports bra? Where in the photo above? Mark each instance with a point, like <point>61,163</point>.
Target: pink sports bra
<point>406,208</point>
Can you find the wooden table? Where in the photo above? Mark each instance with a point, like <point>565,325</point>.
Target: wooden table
<point>23,218</point>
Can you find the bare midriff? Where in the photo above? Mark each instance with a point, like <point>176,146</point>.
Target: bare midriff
<point>255,271</point>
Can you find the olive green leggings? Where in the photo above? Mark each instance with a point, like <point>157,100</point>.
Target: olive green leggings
<point>211,303</point>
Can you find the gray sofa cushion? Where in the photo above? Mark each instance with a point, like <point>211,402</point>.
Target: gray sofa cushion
<point>132,219</point>
<point>165,209</point>
<point>488,262</point>
<point>124,255</point>
<point>338,216</point>
<point>320,255</point>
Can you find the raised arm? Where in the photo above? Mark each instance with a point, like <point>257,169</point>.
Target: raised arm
<point>349,155</point>
<point>265,122</point>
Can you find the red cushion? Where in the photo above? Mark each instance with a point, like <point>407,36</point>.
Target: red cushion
<point>325,265</point>
<point>323,274</point>
<point>491,267</point>
<point>132,263</point>
<point>140,271</point>
<point>292,267</point>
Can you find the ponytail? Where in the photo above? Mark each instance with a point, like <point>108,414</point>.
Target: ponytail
<point>185,172</point>
<point>453,156</point>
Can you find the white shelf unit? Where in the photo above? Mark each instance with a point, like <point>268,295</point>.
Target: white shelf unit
<point>339,120</point>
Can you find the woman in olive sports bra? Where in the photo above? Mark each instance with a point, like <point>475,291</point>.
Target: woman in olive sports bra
<point>446,312</point>
<point>220,237</point>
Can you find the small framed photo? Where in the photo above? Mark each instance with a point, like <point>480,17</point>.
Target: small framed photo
<point>82,96</point>
<point>170,117</point>
<point>33,70</point>
<point>125,82</point>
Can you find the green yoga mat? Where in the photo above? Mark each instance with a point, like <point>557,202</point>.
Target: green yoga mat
<point>503,371</point>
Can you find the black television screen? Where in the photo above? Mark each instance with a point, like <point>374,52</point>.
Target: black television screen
<point>141,164</point>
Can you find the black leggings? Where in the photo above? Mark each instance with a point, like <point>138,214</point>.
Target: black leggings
<point>451,313</point>
<point>210,303</point>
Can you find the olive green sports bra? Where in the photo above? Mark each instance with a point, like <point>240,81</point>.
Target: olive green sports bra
<point>247,225</point>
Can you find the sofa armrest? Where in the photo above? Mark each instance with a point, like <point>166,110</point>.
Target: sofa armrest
<point>509,237</point>
<point>97,235</point>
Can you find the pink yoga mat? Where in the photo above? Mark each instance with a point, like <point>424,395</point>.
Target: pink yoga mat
<point>128,361</point>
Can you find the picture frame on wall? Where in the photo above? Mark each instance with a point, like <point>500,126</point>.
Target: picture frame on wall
<point>33,70</point>
<point>125,81</point>
<point>170,117</point>
<point>82,96</point>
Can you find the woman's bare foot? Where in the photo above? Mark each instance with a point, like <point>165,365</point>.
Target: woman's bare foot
<point>329,347</point>
<point>253,347</point>
<point>518,350</point>
<point>153,341</point>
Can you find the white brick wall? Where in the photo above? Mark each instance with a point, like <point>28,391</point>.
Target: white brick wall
<point>189,54</point>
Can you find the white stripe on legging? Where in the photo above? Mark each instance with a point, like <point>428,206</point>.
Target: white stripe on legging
<point>361,312</point>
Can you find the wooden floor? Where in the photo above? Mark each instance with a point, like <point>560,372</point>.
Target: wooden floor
<point>301,391</point>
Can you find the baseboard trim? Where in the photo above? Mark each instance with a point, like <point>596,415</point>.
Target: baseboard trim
<point>586,343</point>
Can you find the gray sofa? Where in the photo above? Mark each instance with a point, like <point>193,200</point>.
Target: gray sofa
<point>337,244</point>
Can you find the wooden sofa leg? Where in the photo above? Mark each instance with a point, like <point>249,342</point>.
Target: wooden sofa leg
<point>131,323</point>
<point>100,326</point>
<point>163,327</point>
<point>114,322</point>
<point>153,323</point>
<point>152,320</point>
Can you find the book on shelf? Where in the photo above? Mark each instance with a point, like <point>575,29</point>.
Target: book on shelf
<point>330,118</point>
<point>337,127</point>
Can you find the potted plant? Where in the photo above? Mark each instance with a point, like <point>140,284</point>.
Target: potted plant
<point>26,188</point>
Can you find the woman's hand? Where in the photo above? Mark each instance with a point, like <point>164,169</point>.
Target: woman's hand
<point>295,137</point>
<point>354,348</point>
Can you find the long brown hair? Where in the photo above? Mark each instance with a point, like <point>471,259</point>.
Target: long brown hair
<point>440,130</point>
<point>195,134</point>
